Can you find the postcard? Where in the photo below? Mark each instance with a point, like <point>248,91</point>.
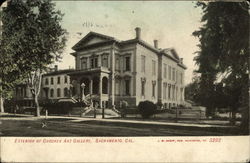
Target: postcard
<point>124,81</point>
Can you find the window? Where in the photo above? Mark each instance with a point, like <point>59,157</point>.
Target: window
<point>127,63</point>
<point>94,62</point>
<point>83,63</point>
<point>117,63</point>
<point>65,79</point>
<point>51,80</point>
<point>169,72</point>
<point>143,62</point>
<point>52,93</point>
<point>165,86</point>
<point>169,92</point>
<point>181,94</point>
<point>65,91</point>
<point>153,88</point>
<point>173,74</point>
<point>173,92</point>
<point>117,87</point>
<point>58,80</point>
<point>176,75</point>
<point>58,92</point>
<point>46,81</point>
<point>127,87</point>
<point>153,67</point>
<point>176,93</point>
<point>143,81</point>
<point>105,60</point>
<point>165,71</point>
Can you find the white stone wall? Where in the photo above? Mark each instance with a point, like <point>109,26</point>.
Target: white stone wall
<point>149,56</point>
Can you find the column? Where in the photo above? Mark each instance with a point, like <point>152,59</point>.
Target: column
<point>100,90</point>
<point>90,86</point>
<point>112,95</point>
<point>159,84</point>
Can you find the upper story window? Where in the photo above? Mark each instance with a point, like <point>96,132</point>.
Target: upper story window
<point>46,81</point>
<point>143,63</point>
<point>105,60</point>
<point>127,63</point>
<point>117,62</point>
<point>83,63</point>
<point>58,80</point>
<point>176,76</point>
<point>165,71</point>
<point>173,74</point>
<point>94,62</point>
<point>153,67</point>
<point>65,79</point>
<point>51,80</point>
<point>117,87</point>
<point>169,72</point>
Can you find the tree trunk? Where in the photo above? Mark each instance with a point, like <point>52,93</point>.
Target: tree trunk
<point>1,104</point>
<point>37,106</point>
<point>233,118</point>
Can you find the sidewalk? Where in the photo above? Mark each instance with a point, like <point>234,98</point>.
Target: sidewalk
<point>99,118</point>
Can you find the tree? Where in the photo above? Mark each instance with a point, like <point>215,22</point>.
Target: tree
<point>224,53</point>
<point>32,40</point>
<point>192,90</point>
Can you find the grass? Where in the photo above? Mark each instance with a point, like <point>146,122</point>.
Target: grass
<point>65,127</point>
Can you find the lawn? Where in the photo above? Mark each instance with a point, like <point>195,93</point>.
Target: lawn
<point>65,127</point>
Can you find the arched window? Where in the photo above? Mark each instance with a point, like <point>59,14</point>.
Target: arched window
<point>58,92</point>
<point>66,92</point>
<point>105,85</point>
<point>52,93</point>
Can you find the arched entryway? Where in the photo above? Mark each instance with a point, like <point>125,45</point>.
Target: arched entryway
<point>105,85</point>
<point>96,85</point>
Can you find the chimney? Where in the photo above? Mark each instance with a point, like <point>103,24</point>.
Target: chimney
<point>156,44</point>
<point>56,68</point>
<point>138,33</point>
<point>181,60</point>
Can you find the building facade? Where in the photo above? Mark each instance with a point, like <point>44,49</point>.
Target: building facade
<point>130,70</point>
<point>56,84</point>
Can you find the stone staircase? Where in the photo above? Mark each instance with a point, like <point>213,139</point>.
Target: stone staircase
<point>107,112</point>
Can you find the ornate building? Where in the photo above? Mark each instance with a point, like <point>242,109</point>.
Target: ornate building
<point>130,70</point>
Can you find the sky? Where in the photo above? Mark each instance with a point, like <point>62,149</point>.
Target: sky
<point>169,22</point>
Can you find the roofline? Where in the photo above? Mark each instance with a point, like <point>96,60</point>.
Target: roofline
<point>59,72</point>
<point>121,43</point>
<point>95,33</point>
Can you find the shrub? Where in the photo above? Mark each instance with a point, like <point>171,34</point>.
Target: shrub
<point>147,109</point>
<point>58,107</point>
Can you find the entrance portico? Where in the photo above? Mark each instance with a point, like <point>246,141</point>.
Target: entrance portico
<point>97,83</point>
